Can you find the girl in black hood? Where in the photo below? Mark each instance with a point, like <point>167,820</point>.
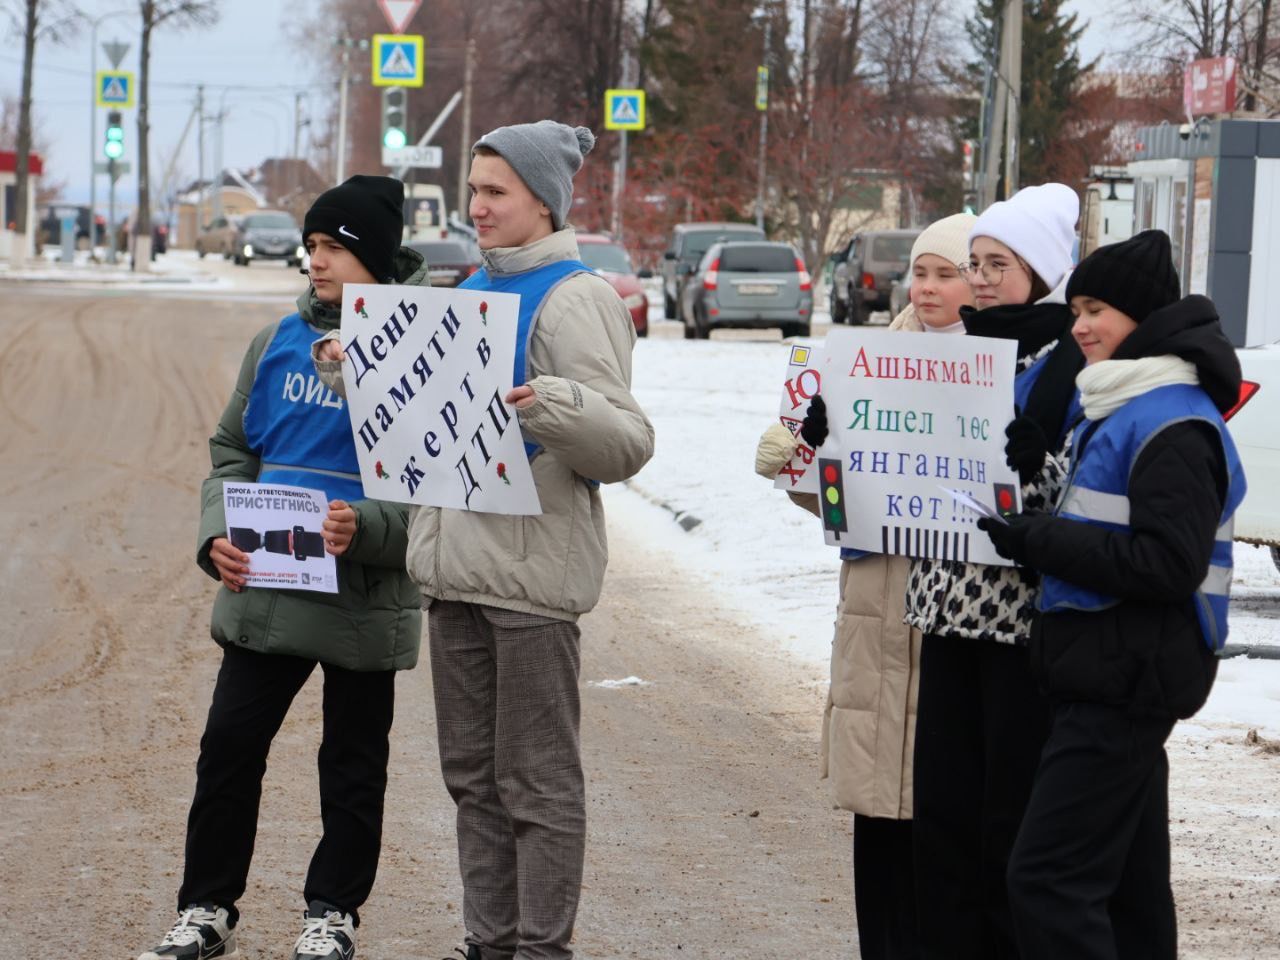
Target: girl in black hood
<point>981,723</point>
<point>1136,572</point>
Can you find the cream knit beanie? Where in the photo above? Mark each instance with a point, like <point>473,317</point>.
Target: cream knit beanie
<point>947,238</point>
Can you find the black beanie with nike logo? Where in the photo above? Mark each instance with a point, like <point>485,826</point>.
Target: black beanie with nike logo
<point>365,215</point>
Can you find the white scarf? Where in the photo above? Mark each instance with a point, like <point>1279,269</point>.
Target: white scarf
<point>1108,385</point>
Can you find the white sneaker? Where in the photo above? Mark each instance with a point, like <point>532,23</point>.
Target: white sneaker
<point>331,936</point>
<point>199,934</point>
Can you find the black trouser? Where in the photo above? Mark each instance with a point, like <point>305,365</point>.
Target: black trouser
<point>1089,877</point>
<point>884,889</point>
<point>980,726</point>
<point>250,700</point>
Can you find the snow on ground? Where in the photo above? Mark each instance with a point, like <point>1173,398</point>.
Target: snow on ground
<point>174,267</point>
<point>709,402</point>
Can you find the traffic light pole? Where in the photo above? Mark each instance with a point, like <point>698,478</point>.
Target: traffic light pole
<point>111,212</point>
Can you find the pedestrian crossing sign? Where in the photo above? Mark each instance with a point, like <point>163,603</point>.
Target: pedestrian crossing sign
<point>624,109</point>
<point>397,60</point>
<point>114,88</point>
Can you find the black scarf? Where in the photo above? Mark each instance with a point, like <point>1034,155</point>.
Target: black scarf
<point>1035,326</point>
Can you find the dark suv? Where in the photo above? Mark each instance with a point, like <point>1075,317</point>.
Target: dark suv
<point>864,271</point>
<point>268,235</point>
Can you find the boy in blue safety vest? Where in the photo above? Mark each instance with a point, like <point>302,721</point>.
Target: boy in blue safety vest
<point>272,639</point>
<point>1136,572</point>
<point>504,593</point>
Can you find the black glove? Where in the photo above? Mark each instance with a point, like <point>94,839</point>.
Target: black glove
<point>1026,449</point>
<point>813,429</point>
<point>1010,539</point>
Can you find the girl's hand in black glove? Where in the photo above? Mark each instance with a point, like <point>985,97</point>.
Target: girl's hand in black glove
<point>814,426</point>
<point>1010,539</point>
<point>1026,449</point>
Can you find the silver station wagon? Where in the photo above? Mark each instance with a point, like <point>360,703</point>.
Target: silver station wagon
<point>748,284</point>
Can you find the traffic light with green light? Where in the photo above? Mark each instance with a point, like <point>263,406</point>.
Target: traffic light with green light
<point>113,145</point>
<point>831,497</point>
<point>395,116</point>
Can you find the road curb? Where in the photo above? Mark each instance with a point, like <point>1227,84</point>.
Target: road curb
<point>105,280</point>
<point>686,519</point>
<point>1253,651</point>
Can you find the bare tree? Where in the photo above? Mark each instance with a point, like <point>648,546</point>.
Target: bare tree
<point>33,18</point>
<point>155,14</point>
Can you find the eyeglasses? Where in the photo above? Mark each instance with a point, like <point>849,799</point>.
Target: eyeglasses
<point>990,273</point>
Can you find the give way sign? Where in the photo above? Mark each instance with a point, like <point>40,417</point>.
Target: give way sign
<point>399,12</point>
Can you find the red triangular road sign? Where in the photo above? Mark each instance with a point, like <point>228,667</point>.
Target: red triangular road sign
<point>399,12</point>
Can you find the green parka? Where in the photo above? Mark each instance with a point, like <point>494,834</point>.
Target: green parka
<point>374,621</point>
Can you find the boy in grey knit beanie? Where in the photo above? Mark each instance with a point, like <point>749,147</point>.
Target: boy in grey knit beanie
<point>545,155</point>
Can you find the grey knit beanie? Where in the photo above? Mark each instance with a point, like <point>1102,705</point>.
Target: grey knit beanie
<point>545,155</point>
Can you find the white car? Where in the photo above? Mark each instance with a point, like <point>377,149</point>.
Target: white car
<point>1255,427</point>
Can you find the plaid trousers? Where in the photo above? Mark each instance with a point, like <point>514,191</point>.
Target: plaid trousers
<point>507,715</point>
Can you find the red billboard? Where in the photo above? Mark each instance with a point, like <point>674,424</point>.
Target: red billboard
<point>1209,86</point>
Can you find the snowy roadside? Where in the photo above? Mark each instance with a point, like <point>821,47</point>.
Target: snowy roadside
<point>709,402</point>
<point>177,267</point>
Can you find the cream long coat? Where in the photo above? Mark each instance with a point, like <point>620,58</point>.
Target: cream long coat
<point>869,726</point>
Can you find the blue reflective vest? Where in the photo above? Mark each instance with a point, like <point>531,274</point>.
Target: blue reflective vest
<point>296,425</point>
<point>533,287</point>
<point>1097,492</point>
<point>1022,385</point>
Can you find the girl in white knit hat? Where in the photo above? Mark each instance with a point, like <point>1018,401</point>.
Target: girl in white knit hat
<point>981,722</point>
<point>868,729</point>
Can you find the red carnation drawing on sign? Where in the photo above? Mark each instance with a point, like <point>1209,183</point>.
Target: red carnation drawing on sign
<point>484,310</point>
<point>382,474</point>
<point>360,307</point>
<point>502,474</point>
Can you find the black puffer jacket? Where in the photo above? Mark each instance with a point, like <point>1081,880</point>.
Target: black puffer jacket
<point>1146,653</point>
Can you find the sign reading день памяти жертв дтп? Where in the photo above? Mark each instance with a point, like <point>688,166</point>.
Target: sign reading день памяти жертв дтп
<point>426,372</point>
<point>912,416</point>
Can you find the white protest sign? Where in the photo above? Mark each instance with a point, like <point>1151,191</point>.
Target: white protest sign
<point>909,412</point>
<point>426,372</point>
<point>279,527</point>
<point>800,383</point>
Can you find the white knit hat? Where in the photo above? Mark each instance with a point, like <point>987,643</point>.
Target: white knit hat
<point>947,238</point>
<point>1038,224</point>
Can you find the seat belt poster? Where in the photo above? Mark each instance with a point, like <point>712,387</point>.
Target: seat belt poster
<point>279,527</point>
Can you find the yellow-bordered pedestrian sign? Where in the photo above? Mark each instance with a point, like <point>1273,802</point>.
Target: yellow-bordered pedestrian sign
<point>397,60</point>
<point>624,109</point>
<point>114,88</point>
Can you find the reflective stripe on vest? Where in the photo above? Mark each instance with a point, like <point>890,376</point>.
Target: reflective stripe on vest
<point>1097,492</point>
<point>533,287</point>
<point>298,427</point>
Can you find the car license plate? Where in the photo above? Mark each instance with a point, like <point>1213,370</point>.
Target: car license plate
<point>757,289</point>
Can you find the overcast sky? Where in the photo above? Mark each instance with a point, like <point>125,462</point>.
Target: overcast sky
<point>249,47</point>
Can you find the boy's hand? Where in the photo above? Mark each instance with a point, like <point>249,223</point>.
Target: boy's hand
<point>522,396</point>
<point>331,350</point>
<point>231,564</point>
<point>339,527</point>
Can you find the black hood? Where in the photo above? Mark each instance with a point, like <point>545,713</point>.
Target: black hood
<point>1190,329</point>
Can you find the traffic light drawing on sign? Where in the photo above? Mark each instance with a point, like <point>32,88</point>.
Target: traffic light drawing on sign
<point>1006,499</point>
<point>113,145</point>
<point>395,130</point>
<point>831,497</point>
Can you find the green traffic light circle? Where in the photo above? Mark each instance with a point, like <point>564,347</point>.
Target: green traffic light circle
<point>394,138</point>
<point>835,517</point>
<point>113,149</point>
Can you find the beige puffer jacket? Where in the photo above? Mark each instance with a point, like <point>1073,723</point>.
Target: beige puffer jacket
<point>590,428</point>
<point>869,727</point>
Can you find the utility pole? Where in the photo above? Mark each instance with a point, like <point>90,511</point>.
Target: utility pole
<point>994,134</point>
<point>200,221</point>
<point>762,103</point>
<point>1013,89</point>
<point>464,151</point>
<point>340,168</point>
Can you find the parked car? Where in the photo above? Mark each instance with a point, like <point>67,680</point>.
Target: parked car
<point>449,262</point>
<point>748,284</point>
<point>899,295</point>
<point>610,259</point>
<point>865,269</point>
<point>1253,427</point>
<point>268,235</point>
<point>217,236</point>
<point>689,242</point>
